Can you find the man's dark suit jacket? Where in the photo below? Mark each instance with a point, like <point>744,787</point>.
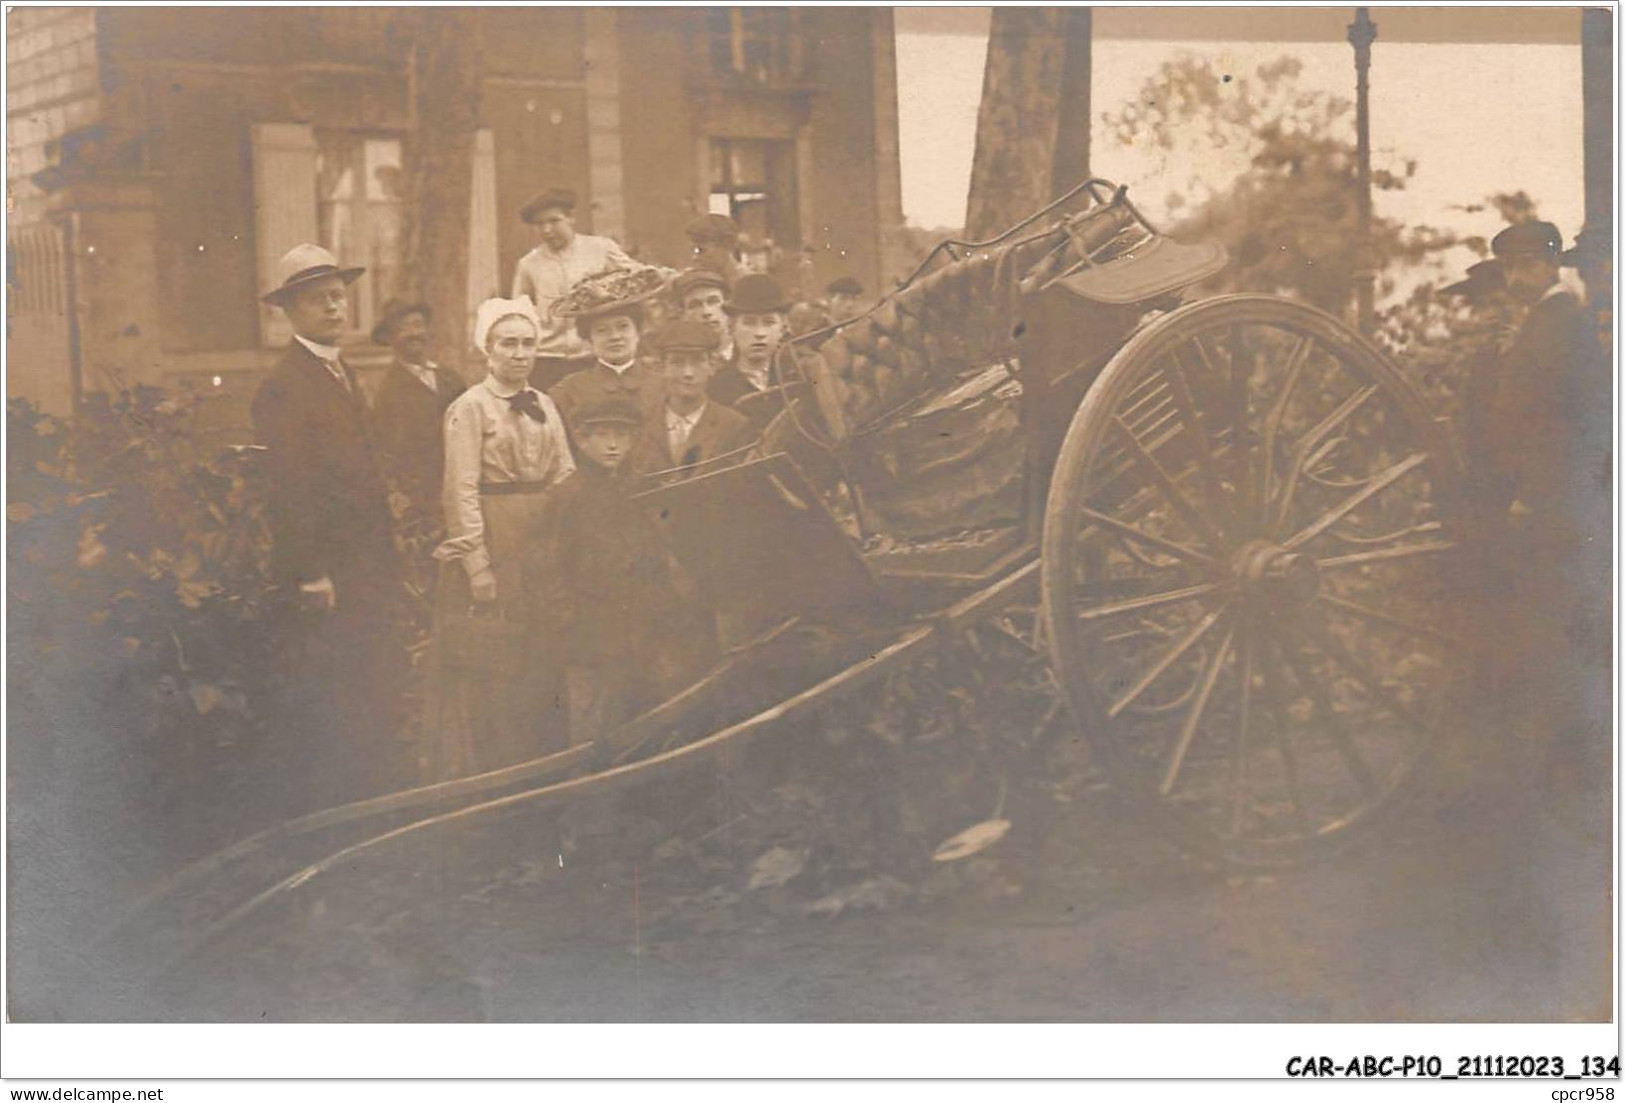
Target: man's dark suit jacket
<point>720,430</point>
<point>407,418</point>
<point>329,511</point>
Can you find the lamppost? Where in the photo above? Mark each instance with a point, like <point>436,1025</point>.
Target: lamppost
<point>1362,33</point>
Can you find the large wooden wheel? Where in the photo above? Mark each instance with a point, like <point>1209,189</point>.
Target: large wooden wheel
<point>1250,556</point>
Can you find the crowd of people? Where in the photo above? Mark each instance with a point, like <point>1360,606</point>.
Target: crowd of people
<point>559,611</point>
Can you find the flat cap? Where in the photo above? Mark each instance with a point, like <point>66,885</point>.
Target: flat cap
<point>846,285</point>
<point>712,229</point>
<point>684,333</point>
<point>1528,239</point>
<point>691,278</point>
<point>606,408</point>
<point>553,198</point>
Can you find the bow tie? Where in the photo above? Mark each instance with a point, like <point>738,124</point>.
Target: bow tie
<point>527,402</point>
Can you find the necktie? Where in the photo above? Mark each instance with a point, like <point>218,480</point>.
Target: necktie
<point>337,368</point>
<point>527,402</point>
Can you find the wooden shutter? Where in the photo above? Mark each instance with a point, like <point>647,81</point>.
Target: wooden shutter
<point>284,209</point>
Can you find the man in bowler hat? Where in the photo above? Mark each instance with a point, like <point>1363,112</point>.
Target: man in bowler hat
<point>332,544</point>
<point>411,404</point>
<point>756,310</point>
<point>546,273</point>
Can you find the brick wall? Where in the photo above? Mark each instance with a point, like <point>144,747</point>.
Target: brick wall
<point>52,86</point>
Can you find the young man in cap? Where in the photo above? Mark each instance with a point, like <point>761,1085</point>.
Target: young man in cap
<point>701,292</point>
<point>845,299</point>
<point>691,427</point>
<point>715,238</point>
<point>547,272</point>
<point>608,598</point>
<point>332,542</point>
<point>1542,503</point>
<point>411,404</point>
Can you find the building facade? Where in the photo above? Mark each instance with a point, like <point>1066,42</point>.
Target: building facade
<point>161,160</point>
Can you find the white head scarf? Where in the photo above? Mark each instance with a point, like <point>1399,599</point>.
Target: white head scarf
<point>492,311</point>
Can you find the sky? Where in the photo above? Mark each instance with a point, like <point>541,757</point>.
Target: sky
<point>1479,118</point>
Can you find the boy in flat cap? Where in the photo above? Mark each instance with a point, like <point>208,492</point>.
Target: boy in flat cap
<point>608,598</point>
<point>332,544</point>
<point>700,293</point>
<point>546,273</point>
<point>691,428</point>
<point>845,299</point>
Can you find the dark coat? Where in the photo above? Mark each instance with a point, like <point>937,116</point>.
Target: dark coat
<point>1541,422</point>
<point>328,507</point>
<point>597,381</point>
<point>407,417</point>
<point>604,587</point>
<point>729,384</point>
<point>719,431</point>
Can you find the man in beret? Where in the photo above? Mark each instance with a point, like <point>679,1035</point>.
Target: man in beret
<point>715,240</point>
<point>411,404</point>
<point>700,292</point>
<point>332,544</point>
<point>845,299</point>
<point>546,274</point>
<point>691,428</point>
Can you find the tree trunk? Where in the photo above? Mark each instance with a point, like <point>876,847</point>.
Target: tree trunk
<point>1033,124</point>
<point>445,103</point>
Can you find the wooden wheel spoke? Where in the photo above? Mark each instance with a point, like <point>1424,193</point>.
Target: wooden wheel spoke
<point>1184,401</point>
<point>1277,413</point>
<point>1165,483</point>
<point>1151,601</point>
<point>1384,555</point>
<point>1284,745</point>
<point>1375,486</point>
<point>1377,616</point>
<point>1130,532</point>
<point>1312,440</point>
<point>1339,736</point>
<point>1193,717</point>
<point>1333,649</point>
<point>1168,659</point>
<point>1244,720</point>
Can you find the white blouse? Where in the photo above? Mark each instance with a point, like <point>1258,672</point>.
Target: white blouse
<point>489,441</point>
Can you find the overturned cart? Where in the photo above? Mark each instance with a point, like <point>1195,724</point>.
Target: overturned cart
<point>1234,516</point>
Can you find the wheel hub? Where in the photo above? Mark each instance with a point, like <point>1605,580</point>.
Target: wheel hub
<point>1276,575</point>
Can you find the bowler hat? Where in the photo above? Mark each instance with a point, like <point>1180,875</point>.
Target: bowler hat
<point>1528,239</point>
<point>712,229</point>
<point>391,314</point>
<point>303,264</point>
<point>846,285</point>
<point>606,408</point>
<point>561,198</point>
<point>692,278</point>
<point>686,334</point>
<point>756,294</point>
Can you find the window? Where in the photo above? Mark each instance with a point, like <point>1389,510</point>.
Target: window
<point>360,214</point>
<point>754,182</point>
<point>759,43</point>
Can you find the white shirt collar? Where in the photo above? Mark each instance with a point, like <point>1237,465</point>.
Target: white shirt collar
<point>424,373</point>
<point>674,419</point>
<point>619,369</point>
<point>326,353</point>
<point>758,376</point>
<point>500,389</point>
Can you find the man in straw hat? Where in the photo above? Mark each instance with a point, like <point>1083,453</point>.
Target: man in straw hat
<point>546,273</point>
<point>331,538</point>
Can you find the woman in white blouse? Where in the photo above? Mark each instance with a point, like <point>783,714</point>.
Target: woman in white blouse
<point>505,448</point>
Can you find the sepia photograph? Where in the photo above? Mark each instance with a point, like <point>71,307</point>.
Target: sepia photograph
<point>788,515</point>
